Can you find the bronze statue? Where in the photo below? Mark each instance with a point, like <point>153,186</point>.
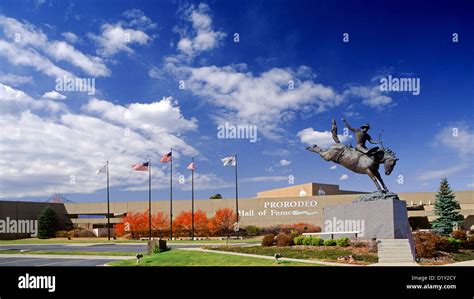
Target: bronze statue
<point>359,159</point>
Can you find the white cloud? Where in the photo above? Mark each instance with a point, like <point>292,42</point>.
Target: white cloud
<point>59,151</point>
<point>153,117</point>
<point>344,177</point>
<point>457,137</point>
<point>13,101</point>
<point>204,38</point>
<point>155,73</point>
<point>264,100</point>
<point>264,179</point>
<point>285,162</point>
<point>70,37</point>
<point>26,37</point>
<point>322,139</point>
<point>441,173</point>
<point>136,18</point>
<point>29,57</point>
<point>15,80</point>
<point>54,95</point>
<point>371,96</point>
<point>114,38</point>
<point>333,167</point>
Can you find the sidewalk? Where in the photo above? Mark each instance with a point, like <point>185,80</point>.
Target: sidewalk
<point>67,256</point>
<point>271,257</point>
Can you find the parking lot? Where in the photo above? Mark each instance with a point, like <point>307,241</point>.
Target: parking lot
<point>50,262</point>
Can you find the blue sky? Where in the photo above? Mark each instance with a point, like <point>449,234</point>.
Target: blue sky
<point>138,52</point>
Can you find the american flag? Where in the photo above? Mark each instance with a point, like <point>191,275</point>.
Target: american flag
<point>141,166</point>
<point>191,166</point>
<point>166,158</point>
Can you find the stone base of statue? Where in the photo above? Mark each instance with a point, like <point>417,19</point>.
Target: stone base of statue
<point>377,195</point>
<point>382,218</point>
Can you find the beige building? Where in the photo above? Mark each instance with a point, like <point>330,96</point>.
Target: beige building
<point>294,204</point>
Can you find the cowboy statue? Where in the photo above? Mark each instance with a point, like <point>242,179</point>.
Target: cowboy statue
<point>359,159</point>
<point>361,137</point>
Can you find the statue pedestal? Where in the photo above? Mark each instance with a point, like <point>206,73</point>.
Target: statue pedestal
<point>380,219</point>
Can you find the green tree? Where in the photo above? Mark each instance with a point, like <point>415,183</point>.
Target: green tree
<point>446,208</point>
<point>47,223</point>
<point>216,196</point>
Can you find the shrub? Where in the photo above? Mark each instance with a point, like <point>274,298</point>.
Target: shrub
<point>298,240</point>
<point>343,242</point>
<point>61,234</point>
<point>427,245</point>
<point>459,234</point>
<point>47,223</point>
<point>268,240</point>
<point>469,244</point>
<point>358,244</point>
<point>252,230</point>
<point>307,241</point>
<point>317,241</point>
<point>329,242</point>
<point>81,233</point>
<point>454,243</point>
<point>284,240</point>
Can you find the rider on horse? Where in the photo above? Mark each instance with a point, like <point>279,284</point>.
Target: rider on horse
<point>361,137</point>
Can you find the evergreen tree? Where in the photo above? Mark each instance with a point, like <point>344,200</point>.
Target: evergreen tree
<point>216,196</point>
<point>446,208</point>
<point>47,223</point>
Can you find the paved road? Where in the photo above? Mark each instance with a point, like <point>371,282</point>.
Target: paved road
<point>79,247</point>
<point>119,247</point>
<point>51,262</point>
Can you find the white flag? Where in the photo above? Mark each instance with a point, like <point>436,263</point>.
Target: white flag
<point>229,161</point>
<point>102,169</point>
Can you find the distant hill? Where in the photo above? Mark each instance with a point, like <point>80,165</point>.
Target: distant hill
<point>59,198</point>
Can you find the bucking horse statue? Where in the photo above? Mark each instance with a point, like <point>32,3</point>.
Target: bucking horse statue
<point>359,159</point>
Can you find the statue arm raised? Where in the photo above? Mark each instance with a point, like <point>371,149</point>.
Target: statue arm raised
<point>349,126</point>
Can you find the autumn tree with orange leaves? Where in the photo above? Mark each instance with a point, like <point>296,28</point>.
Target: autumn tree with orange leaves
<point>184,222</point>
<point>223,222</point>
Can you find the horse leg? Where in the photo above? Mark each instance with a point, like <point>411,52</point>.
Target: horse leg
<point>379,177</point>
<point>372,176</point>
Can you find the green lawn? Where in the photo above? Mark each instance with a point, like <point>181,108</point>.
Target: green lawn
<point>463,255</point>
<point>59,252</point>
<point>104,240</point>
<point>301,252</point>
<point>195,258</point>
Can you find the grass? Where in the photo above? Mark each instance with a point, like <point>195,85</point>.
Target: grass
<point>196,258</point>
<point>463,255</point>
<point>104,240</point>
<point>101,253</point>
<point>300,252</point>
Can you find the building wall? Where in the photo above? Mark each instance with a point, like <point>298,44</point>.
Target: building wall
<point>21,210</point>
<point>309,189</point>
<point>270,211</point>
<point>260,211</point>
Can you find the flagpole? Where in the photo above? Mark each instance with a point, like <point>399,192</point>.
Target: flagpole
<point>149,199</point>
<point>236,197</point>
<point>171,196</point>
<point>108,203</point>
<point>192,199</point>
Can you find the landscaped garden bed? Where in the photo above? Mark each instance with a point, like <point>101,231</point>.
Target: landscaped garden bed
<point>360,255</point>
